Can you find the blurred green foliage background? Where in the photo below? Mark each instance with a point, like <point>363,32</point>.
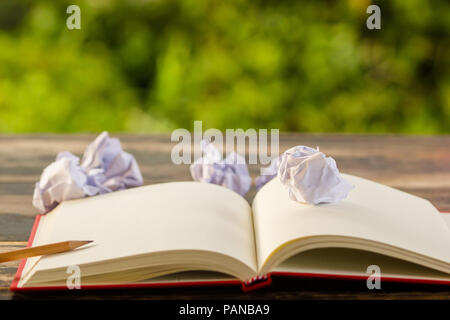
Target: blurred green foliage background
<point>156,65</point>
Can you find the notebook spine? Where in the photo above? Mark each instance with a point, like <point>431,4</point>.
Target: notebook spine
<point>256,283</point>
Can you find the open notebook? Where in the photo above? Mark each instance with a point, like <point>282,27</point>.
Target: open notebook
<point>188,233</point>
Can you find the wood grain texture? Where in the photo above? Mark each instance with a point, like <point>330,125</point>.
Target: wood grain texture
<point>8,269</point>
<point>416,164</point>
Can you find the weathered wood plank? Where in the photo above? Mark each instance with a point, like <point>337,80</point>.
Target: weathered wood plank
<point>15,227</point>
<point>8,269</point>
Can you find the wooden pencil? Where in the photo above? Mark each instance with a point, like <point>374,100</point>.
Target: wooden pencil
<point>41,250</point>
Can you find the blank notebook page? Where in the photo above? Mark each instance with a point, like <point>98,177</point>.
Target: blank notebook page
<point>372,211</point>
<point>170,216</point>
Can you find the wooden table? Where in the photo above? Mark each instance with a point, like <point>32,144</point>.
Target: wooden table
<point>416,164</point>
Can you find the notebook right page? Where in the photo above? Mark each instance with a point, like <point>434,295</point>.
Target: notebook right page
<point>372,211</point>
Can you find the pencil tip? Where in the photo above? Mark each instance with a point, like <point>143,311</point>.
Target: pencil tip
<point>78,243</point>
<point>83,242</point>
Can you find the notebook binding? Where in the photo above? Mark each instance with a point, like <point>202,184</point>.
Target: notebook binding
<point>256,282</point>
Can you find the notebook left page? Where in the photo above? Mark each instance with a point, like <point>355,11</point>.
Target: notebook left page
<point>178,216</point>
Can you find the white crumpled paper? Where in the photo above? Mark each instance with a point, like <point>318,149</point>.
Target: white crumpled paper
<point>312,177</point>
<point>105,167</point>
<point>267,173</point>
<point>231,172</point>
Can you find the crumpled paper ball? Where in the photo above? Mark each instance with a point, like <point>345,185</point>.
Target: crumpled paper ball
<point>267,173</point>
<point>312,177</point>
<point>231,172</point>
<point>109,167</point>
<point>105,168</point>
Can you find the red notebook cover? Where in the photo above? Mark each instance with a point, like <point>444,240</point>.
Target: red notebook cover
<point>249,285</point>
